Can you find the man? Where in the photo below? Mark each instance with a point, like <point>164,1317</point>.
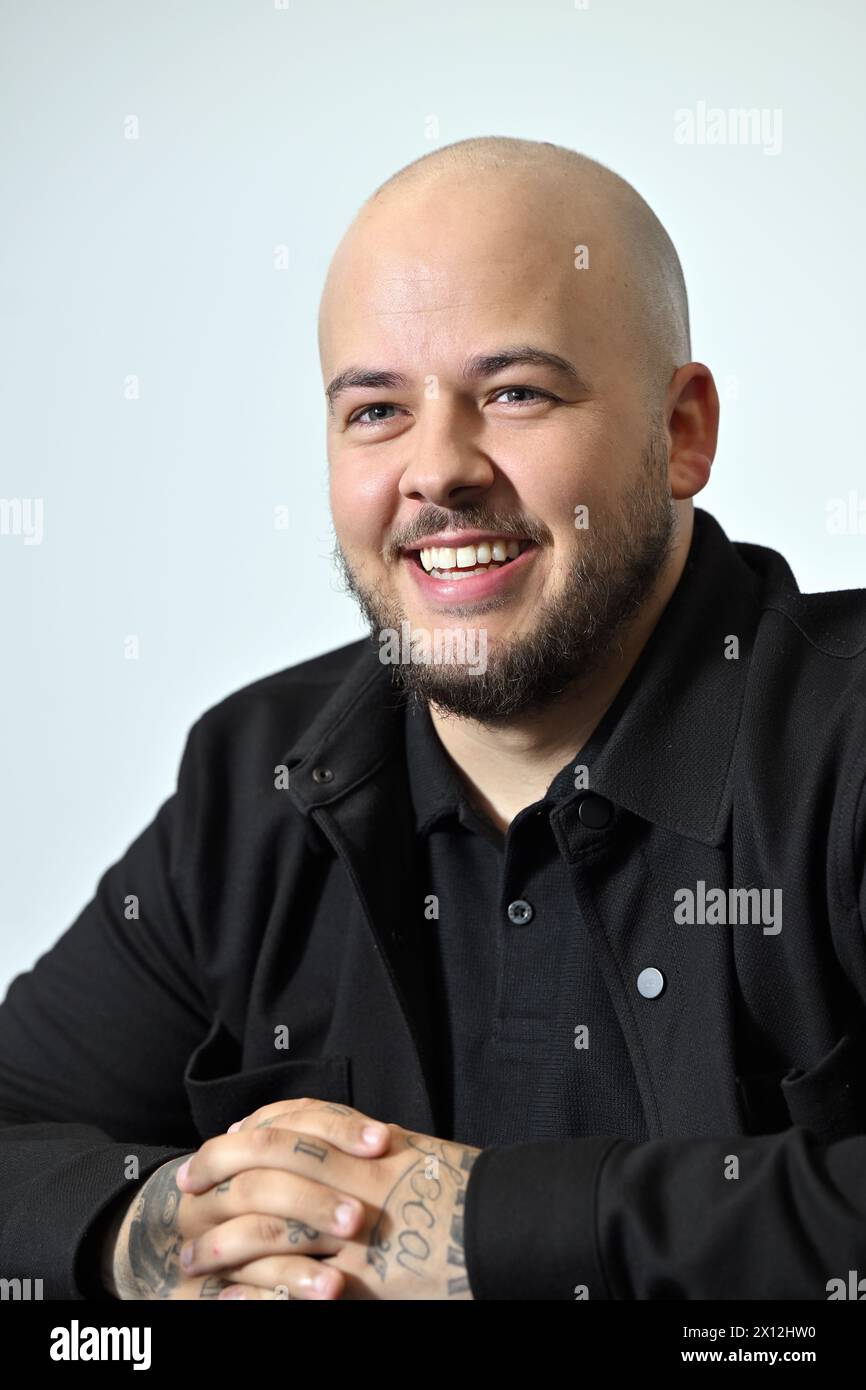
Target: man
<point>572,917</point>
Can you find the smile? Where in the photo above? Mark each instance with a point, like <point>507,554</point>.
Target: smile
<point>473,570</point>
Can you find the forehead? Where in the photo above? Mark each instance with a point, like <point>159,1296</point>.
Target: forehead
<point>436,278</point>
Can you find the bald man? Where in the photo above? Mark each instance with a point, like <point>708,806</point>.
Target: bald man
<point>517,950</point>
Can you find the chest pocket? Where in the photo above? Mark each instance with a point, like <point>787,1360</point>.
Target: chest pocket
<point>220,1091</point>
<point>828,1099</point>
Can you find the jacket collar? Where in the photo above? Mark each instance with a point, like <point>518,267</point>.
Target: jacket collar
<point>673,724</point>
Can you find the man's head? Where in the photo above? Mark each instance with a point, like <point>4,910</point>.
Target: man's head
<point>504,335</point>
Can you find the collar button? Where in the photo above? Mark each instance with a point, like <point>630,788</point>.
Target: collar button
<point>594,811</point>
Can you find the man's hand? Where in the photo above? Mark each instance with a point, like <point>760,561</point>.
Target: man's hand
<point>143,1243</point>
<point>409,1245</point>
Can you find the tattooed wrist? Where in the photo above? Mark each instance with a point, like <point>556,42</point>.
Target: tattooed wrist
<point>148,1266</point>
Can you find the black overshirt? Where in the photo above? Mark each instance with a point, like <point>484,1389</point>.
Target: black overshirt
<point>529,1045</point>
<point>272,904</point>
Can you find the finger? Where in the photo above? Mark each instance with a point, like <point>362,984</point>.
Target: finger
<point>193,1289</point>
<point>249,1291</point>
<point>300,1277</point>
<point>347,1129</point>
<point>225,1155</point>
<point>272,1192</point>
<point>253,1236</point>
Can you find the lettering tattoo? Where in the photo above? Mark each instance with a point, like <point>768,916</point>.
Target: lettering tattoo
<point>427,1200</point>
<point>306,1146</point>
<point>297,1229</point>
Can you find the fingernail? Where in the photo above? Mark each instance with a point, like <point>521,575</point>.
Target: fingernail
<point>237,1124</point>
<point>231,1293</point>
<point>183,1170</point>
<point>187,1254</point>
<point>372,1134</point>
<point>345,1214</point>
<point>323,1283</point>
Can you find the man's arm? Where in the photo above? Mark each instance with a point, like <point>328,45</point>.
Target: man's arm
<point>667,1218</point>
<point>93,1045</point>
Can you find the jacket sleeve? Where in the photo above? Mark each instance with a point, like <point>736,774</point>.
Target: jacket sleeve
<point>666,1219</point>
<point>94,1040</point>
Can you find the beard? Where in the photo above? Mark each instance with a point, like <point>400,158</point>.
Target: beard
<point>574,631</point>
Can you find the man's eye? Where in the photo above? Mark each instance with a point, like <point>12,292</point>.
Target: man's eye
<point>358,417</point>
<point>525,391</point>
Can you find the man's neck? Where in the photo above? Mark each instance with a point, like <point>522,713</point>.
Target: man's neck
<point>507,768</point>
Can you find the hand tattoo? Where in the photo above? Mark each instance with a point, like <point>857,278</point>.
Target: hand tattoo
<point>429,1194</point>
<point>153,1248</point>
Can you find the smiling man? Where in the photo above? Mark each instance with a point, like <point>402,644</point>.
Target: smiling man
<point>442,897</point>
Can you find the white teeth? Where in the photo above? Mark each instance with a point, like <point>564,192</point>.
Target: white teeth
<point>465,559</point>
<point>461,574</point>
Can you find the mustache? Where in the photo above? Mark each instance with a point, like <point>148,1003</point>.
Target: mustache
<point>470,518</point>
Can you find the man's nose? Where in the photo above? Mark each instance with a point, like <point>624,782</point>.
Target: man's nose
<point>445,462</point>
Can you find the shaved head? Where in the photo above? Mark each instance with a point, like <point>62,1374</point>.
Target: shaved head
<point>593,207</point>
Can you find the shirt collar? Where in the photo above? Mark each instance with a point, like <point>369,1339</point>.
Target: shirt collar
<point>672,725</point>
<point>435,787</point>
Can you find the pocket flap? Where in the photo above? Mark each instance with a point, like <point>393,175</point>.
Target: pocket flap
<point>219,1092</point>
<point>830,1098</point>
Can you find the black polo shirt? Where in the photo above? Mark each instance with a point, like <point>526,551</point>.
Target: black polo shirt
<point>528,1046</point>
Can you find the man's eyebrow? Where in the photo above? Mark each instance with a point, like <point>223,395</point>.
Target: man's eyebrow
<point>365,377</point>
<point>489,364</point>
<point>475,368</point>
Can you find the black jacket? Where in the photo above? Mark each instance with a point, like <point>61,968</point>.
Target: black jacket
<point>262,907</point>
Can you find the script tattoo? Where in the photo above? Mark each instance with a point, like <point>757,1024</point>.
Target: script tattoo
<point>154,1240</point>
<point>420,1203</point>
<point>296,1229</point>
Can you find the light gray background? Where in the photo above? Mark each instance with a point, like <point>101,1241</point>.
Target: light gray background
<point>262,127</point>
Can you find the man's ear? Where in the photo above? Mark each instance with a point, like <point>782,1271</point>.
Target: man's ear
<point>693,427</point>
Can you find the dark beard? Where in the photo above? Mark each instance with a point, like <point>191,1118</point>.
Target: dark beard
<point>605,590</point>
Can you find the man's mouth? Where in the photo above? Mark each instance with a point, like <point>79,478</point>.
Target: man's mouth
<point>456,563</point>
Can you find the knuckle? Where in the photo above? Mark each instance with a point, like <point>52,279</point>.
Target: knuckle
<point>271,1230</point>
<point>242,1189</point>
<point>264,1138</point>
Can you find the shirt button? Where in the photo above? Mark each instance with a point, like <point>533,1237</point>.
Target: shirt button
<point>650,983</point>
<point>594,811</point>
<point>520,912</point>
<point>322,774</point>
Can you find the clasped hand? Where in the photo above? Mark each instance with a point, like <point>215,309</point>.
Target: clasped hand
<point>295,1202</point>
